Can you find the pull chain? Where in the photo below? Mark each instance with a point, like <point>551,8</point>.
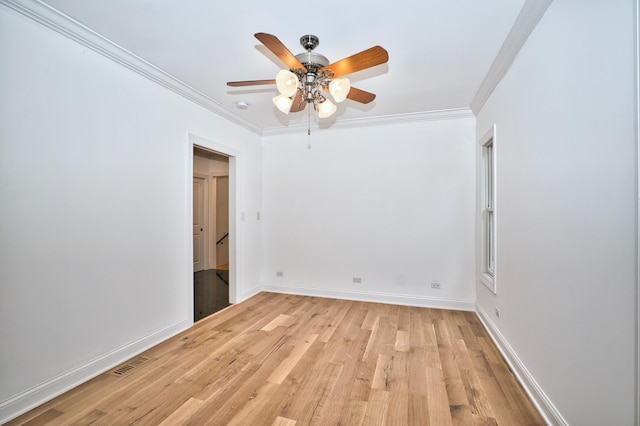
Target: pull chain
<point>309,121</point>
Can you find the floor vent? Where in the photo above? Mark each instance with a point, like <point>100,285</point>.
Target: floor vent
<point>124,369</point>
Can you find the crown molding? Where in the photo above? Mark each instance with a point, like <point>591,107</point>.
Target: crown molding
<point>69,27</point>
<point>530,14</point>
<point>44,14</point>
<point>446,114</point>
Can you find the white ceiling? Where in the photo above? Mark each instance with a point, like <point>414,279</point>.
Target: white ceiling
<point>439,50</point>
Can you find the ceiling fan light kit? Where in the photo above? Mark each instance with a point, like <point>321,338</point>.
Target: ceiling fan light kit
<point>287,83</point>
<point>326,109</point>
<point>339,89</point>
<point>283,103</point>
<point>310,76</point>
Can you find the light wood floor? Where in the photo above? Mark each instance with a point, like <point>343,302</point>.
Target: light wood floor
<point>293,360</point>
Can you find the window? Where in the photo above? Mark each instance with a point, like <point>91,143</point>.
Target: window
<point>488,232</point>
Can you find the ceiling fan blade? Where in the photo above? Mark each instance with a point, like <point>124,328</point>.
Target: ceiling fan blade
<point>360,96</point>
<point>249,83</point>
<point>272,43</point>
<point>371,57</point>
<point>299,103</point>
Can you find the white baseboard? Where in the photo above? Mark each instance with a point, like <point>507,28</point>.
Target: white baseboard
<point>248,294</point>
<point>37,395</point>
<point>362,296</point>
<point>544,405</point>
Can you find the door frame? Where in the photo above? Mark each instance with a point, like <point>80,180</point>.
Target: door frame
<point>235,240</point>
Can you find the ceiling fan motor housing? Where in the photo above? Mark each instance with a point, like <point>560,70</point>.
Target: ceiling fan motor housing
<point>312,61</point>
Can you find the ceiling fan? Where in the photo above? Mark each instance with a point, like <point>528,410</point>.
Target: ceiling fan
<point>310,76</point>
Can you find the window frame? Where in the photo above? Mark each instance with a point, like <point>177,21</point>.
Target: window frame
<point>488,221</point>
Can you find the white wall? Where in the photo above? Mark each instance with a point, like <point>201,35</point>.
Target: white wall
<point>95,251</point>
<point>565,211</point>
<point>95,186</point>
<point>391,204</point>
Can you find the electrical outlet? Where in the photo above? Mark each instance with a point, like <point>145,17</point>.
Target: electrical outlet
<point>279,274</point>
<point>497,312</point>
<point>436,285</point>
<point>357,280</point>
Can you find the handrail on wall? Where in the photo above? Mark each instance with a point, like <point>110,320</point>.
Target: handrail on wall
<point>223,237</point>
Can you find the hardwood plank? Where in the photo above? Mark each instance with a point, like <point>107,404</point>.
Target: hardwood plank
<point>362,383</point>
<point>223,406</point>
<point>376,411</point>
<point>44,418</point>
<point>381,375</point>
<point>259,401</point>
<point>335,318</point>
<point>417,410</point>
<point>416,366</point>
<point>437,398</point>
<point>93,417</point>
<point>281,320</point>
<point>281,421</point>
<point>433,355</point>
<point>369,352</point>
<point>314,378</point>
<point>371,319</point>
<point>402,341</point>
<point>313,415</point>
<point>347,354</point>
<point>416,329</point>
<point>183,415</point>
<point>398,410</point>
<point>456,392</point>
<point>306,398</point>
<point>354,413</point>
<point>282,371</point>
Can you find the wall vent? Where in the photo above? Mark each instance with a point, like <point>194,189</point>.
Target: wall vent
<point>124,369</point>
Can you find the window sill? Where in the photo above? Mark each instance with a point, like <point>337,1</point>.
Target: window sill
<point>488,281</point>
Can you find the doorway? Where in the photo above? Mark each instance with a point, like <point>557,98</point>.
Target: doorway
<point>210,232</point>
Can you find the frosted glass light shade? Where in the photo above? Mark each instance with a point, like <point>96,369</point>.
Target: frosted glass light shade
<point>283,103</point>
<point>339,89</point>
<point>286,82</point>
<point>326,109</point>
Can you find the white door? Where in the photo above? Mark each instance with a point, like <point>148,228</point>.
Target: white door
<point>198,224</point>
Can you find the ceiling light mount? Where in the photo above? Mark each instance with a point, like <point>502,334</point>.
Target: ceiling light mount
<point>309,42</point>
